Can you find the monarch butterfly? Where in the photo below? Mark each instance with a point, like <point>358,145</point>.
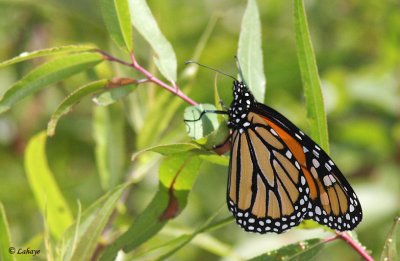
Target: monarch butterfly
<point>279,176</point>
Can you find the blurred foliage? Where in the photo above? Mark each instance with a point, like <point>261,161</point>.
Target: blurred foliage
<point>357,50</point>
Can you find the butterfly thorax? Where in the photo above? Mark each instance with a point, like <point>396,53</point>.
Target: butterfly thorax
<point>243,100</point>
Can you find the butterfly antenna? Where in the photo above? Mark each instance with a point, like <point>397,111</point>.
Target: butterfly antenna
<point>208,67</point>
<point>239,68</point>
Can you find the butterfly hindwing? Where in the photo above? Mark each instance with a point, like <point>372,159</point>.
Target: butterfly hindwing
<point>333,201</point>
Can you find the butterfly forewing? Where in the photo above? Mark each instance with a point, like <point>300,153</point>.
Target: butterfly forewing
<point>267,191</point>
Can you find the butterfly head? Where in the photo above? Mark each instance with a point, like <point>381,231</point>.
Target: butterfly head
<point>243,99</point>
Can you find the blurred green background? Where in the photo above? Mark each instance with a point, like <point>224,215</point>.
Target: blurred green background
<point>357,49</point>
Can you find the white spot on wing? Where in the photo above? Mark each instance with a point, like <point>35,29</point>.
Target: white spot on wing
<point>327,181</point>
<point>297,164</point>
<point>328,167</point>
<point>315,162</point>
<point>274,132</point>
<point>303,180</point>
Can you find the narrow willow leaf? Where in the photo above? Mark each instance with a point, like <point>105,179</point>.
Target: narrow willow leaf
<point>113,95</point>
<point>83,237</point>
<point>45,52</point>
<point>190,70</point>
<point>106,93</point>
<point>310,77</point>
<point>250,53</point>
<point>44,187</point>
<point>177,174</point>
<point>185,239</point>
<point>118,22</point>
<point>143,20</point>
<point>169,149</point>
<point>71,100</point>
<point>389,252</point>
<point>156,250</point>
<point>109,133</point>
<point>46,74</point>
<point>301,251</point>
<point>158,120</point>
<point>5,240</point>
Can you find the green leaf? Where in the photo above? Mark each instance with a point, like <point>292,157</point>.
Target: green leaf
<point>113,95</point>
<point>107,92</point>
<point>158,120</point>
<point>83,236</point>
<point>155,250</point>
<point>169,149</point>
<point>143,20</point>
<point>250,52</point>
<point>183,240</point>
<point>118,22</point>
<point>177,174</point>
<point>216,159</point>
<point>206,130</point>
<point>71,100</point>
<point>197,127</point>
<point>44,187</point>
<point>304,250</point>
<point>46,74</point>
<point>45,52</point>
<point>389,252</point>
<point>109,133</point>
<point>190,70</point>
<point>310,77</point>
<point>5,240</point>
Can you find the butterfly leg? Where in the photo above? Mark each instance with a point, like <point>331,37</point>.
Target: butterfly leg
<point>204,112</point>
<point>221,102</point>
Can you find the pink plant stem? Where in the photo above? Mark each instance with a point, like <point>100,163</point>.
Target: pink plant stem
<point>329,239</point>
<point>175,90</point>
<point>360,249</point>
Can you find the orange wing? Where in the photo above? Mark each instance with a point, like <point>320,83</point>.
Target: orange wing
<point>267,189</point>
<point>333,201</point>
